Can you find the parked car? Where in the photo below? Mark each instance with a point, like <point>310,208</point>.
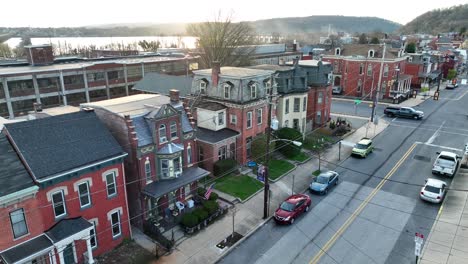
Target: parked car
<point>324,181</point>
<point>433,191</point>
<point>406,112</point>
<point>446,163</point>
<point>363,148</point>
<point>451,86</point>
<point>291,208</point>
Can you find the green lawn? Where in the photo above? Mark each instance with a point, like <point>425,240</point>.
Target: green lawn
<point>278,167</point>
<point>316,140</point>
<point>316,173</point>
<point>301,156</point>
<point>241,186</point>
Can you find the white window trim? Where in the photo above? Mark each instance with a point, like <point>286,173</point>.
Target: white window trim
<point>148,179</point>
<point>202,87</point>
<point>89,194</point>
<point>170,129</point>
<point>163,138</point>
<point>253,91</point>
<point>95,223</point>
<point>233,119</point>
<point>25,222</point>
<point>115,182</point>
<point>109,218</point>
<point>260,115</point>
<point>227,88</point>
<point>63,203</point>
<point>223,119</point>
<point>247,119</point>
<point>56,189</point>
<point>189,154</point>
<point>87,179</point>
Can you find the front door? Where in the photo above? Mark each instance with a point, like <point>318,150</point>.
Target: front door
<point>68,256</point>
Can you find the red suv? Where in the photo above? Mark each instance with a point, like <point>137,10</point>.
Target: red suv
<point>291,208</point>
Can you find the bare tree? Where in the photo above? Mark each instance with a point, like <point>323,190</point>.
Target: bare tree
<point>223,41</point>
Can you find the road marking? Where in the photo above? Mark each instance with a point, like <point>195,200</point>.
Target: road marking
<point>438,146</point>
<point>436,133</point>
<point>394,119</point>
<point>440,210</point>
<point>431,129</point>
<point>361,207</point>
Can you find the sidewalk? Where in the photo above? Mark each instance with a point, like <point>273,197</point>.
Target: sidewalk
<point>201,248</point>
<point>448,240</point>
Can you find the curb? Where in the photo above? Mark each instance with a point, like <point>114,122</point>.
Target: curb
<point>352,100</point>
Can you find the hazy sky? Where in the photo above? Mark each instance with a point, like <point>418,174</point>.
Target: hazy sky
<point>57,13</point>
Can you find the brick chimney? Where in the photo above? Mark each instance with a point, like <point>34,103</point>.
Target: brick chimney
<point>215,71</point>
<point>174,95</point>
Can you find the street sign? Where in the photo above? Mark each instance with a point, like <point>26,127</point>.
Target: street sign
<point>261,173</point>
<point>357,101</point>
<point>417,250</point>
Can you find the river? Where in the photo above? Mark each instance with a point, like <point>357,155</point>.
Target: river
<point>68,43</point>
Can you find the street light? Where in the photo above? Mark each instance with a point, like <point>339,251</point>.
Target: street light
<point>266,170</point>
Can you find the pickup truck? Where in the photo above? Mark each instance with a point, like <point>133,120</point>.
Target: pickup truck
<point>407,112</point>
<point>446,163</point>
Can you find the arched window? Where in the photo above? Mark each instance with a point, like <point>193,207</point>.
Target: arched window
<point>162,134</point>
<point>337,51</point>
<point>370,53</point>
<point>148,171</point>
<point>189,154</point>
<point>227,91</point>
<point>361,68</point>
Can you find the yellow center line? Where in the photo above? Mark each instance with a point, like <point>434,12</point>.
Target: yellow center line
<point>361,207</point>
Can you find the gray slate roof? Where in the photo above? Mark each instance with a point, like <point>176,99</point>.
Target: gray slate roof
<point>189,175</point>
<point>211,136</point>
<point>13,174</point>
<point>67,227</point>
<point>61,143</point>
<point>162,83</point>
<point>235,72</point>
<point>171,148</point>
<point>33,246</point>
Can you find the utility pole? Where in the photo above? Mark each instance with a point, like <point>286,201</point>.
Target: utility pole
<point>377,94</point>
<point>267,156</point>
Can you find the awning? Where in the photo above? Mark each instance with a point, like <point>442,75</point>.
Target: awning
<point>189,175</point>
<point>67,228</point>
<point>28,251</point>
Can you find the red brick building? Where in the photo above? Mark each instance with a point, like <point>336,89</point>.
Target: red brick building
<point>75,204</point>
<point>356,69</point>
<point>161,167</point>
<point>231,109</point>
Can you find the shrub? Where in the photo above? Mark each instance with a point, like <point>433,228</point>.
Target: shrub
<point>210,206</point>
<point>201,191</point>
<point>201,214</point>
<point>213,196</point>
<point>287,148</point>
<point>189,220</point>
<point>224,166</point>
<point>332,125</point>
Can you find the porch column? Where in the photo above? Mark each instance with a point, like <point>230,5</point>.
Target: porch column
<point>62,260</point>
<point>90,251</point>
<point>36,88</point>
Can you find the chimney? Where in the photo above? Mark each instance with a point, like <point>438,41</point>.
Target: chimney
<point>37,107</point>
<point>295,46</point>
<point>215,71</point>
<point>174,95</point>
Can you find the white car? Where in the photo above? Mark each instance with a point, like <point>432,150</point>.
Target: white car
<point>446,163</point>
<point>433,191</point>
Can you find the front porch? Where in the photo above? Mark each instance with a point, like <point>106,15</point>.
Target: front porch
<point>58,245</point>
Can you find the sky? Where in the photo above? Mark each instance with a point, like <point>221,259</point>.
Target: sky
<point>60,13</point>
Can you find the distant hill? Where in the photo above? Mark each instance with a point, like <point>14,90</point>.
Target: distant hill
<point>282,26</point>
<point>311,24</point>
<point>450,19</point>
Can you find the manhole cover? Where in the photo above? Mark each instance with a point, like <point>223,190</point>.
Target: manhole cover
<point>230,240</point>
<point>422,158</point>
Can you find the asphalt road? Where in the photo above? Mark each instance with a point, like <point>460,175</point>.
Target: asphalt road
<point>349,108</point>
<point>365,220</point>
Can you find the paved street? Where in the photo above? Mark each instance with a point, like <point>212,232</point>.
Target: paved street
<point>373,214</point>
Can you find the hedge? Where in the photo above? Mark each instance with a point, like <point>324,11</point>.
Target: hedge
<point>189,220</point>
<point>224,166</point>
<point>210,206</point>
<point>201,214</point>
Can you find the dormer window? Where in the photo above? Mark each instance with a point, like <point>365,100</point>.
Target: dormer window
<point>253,90</point>
<point>371,53</point>
<point>267,83</point>
<point>203,84</point>
<point>227,91</point>
<point>337,51</point>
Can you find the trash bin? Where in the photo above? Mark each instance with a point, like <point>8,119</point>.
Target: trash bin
<point>190,203</point>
